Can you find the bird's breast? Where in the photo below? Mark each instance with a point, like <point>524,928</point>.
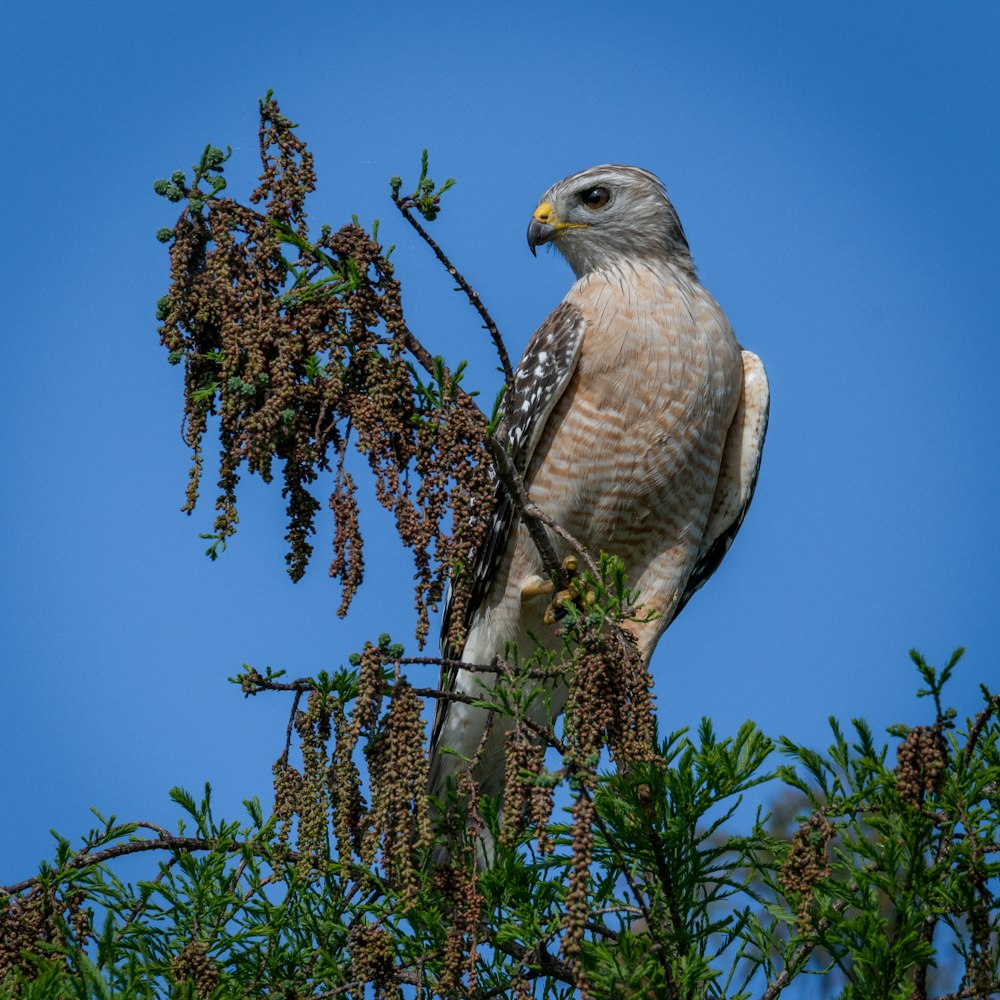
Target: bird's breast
<point>636,439</point>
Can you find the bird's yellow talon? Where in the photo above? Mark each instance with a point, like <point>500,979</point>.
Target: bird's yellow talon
<point>572,593</point>
<point>536,586</point>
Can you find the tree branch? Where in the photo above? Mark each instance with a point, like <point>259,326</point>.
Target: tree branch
<point>947,825</point>
<point>977,727</point>
<point>972,993</point>
<point>533,515</point>
<point>537,959</point>
<point>404,205</point>
<point>170,843</point>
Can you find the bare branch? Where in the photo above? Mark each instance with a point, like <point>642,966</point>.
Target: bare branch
<point>977,727</point>
<point>972,993</point>
<point>188,844</point>
<point>534,517</point>
<point>538,960</point>
<point>291,724</point>
<point>404,205</point>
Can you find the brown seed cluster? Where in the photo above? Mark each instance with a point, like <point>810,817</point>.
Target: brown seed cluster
<point>372,960</point>
<point>806,865</point>
<point>346,801</point>
<point>313,728</point>
<point>921,760</point>
<point>30,922</point>
<point>287,793</point>
<point>394,831</point>
<point>610,701</point>
<point>525,798</point>
<point>610,705</point>
<point>328,785</point>
<point>298,358</point>
<point>577,908</point>
<point>399,820</point>
<point>371,689</point>
<point>459,884</point>
<point>192,965</point>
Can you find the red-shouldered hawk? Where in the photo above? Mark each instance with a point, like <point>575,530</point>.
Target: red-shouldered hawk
<point>637,423</point>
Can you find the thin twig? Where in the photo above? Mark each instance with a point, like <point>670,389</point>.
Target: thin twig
<point>538,960</point>
<point>441,661</point>
<point>659,946</point>
<point>464,699</point>
<point>158,830</point>
<point>291,723</point>
<point>138,908</point>
<point>303,685</point>
<point>531,515</point>
<point>972,992</point>
<point>404,205</point>
<point>534,516</point>
<point>188,844</point>
<point>977,727</point>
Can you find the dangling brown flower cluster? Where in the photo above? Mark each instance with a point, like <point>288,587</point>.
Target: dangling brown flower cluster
<point>577,897</point>
<point>806,864</point>
<point>31,922</point>
<point>372,960</point>
<point>313,808</point>
<point>371,690</point>
<point>399,819</point>
<point>328,785</point>
<point>396,829</point>
<point>921,761</point>
<point>287,794</point>
<point>192,965</point>
<point>459,884</point>
<point>525,798</point>
<point>346,801</point>
<point>296,356</point>
<point>609,702</point>
<point>609,705</point>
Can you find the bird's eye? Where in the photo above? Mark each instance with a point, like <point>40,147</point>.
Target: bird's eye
<point>595,198</point>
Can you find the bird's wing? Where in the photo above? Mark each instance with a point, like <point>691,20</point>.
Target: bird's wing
<point>544,371</point>
<point>737,476</point>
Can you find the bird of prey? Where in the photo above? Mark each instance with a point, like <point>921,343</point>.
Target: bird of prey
<point>636,421</point>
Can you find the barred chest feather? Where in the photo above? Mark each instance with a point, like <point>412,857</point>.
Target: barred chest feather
<point>632,450</point>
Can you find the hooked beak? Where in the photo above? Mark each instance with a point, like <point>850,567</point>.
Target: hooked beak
<point>539,232</point>
<point>545,226</point>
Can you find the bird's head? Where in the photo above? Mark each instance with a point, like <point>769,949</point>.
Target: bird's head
<point>607,215</point>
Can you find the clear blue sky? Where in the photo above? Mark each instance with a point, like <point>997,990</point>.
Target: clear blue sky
<point>836,169</point>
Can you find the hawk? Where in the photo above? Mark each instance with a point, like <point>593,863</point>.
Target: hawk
<point>636,421</point>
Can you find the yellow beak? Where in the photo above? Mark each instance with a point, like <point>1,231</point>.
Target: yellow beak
<point>545,226</point>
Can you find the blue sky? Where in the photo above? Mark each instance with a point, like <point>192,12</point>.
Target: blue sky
<point>835,167</point>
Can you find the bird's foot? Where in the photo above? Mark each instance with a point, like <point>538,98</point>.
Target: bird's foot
<point>574,592</point>
<point>536,586</point>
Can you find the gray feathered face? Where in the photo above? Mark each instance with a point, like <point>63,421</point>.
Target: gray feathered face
<point>605,215</point>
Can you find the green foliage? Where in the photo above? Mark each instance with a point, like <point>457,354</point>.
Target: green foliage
<point>426,198</point>
<point>874,888</point>
<point>209,170</point>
